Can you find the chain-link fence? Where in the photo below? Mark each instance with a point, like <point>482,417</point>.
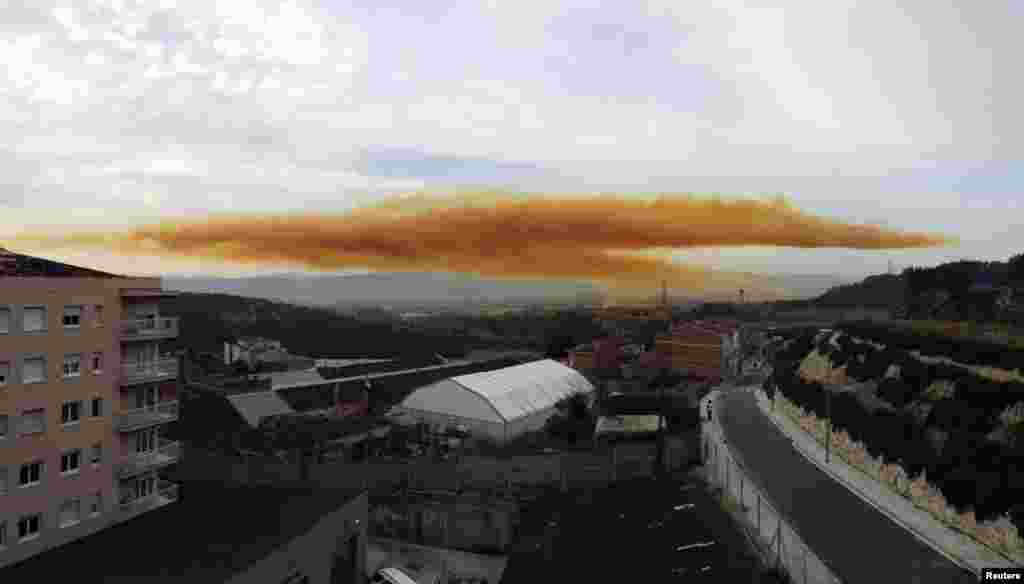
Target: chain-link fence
<point>774,535</point>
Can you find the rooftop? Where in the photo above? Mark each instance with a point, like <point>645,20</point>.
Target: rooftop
<point>19,265</point>
<point>256,406</point>
<point>179,542</point>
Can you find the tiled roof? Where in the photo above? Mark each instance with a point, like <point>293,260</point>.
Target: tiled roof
<point>20,265</point>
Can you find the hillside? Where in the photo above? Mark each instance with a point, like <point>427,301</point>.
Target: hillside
<point>208,319</point>
<point>962,290</point>
<point>395,289</point>
<point>950,411</point>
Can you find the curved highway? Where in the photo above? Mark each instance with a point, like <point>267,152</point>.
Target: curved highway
<point>862,545</point>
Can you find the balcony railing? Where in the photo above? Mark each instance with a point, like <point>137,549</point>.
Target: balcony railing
<point>165,494</point>
<point>158,370</point>
<point>141,462</point>
<point>149,328</point>
<point>153,415</point>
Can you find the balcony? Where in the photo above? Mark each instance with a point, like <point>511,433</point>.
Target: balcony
<point>141,462</point>
<point>144,417</point>
<point>157,370</point>
<point>149,329</point>
<point>165,494</point>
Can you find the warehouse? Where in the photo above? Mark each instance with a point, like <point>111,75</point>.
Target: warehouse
<point>499,404</point>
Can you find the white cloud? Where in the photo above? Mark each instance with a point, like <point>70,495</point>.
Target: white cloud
<point>261,105</point>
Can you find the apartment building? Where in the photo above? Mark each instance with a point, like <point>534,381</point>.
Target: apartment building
<point>86,392</point>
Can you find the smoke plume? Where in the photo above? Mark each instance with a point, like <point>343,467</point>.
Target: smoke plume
<point>608,239</point>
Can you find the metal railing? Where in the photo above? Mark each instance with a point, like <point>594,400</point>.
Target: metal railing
<point>168,491</point>
<point>140,462</point>
<point>165,367</point>
<point>149,328</point>
<point>159,413</point>
<point>774,534</point>
<point>164,495</point>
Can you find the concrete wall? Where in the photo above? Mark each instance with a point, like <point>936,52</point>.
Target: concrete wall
<point>313,553</point>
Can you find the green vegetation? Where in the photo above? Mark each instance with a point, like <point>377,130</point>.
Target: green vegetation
<point>971,470</point>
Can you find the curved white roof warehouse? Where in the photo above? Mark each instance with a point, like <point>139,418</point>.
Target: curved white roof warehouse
<point>502,403</point>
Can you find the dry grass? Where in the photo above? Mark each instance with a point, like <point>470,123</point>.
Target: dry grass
<point>998,535</point>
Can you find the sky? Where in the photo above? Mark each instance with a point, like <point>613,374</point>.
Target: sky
<point>898,114</point>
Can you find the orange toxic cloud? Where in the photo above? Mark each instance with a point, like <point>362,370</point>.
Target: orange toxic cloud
<point>603,238</point>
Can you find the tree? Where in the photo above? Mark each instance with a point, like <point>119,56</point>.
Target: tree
<point>1015,269</point>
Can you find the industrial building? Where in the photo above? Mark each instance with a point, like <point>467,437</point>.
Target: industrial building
<point>703,348</point>
<point>499,404</point>
<point>87,392</point>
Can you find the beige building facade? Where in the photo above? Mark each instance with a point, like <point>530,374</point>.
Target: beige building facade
<point>85,394</point>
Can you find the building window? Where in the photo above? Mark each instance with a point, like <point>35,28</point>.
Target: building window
<point>28,526</point>
<point>95,504</point>
<point>70,412</point>
<point>72,316</point>
<point>99,315</point>
<point>3,534</point>
<point>72,365</point>
<point>3,481</point>
<point>97,362</point>
<point>4,425</point>
<point>30,474</point>
<point>96,453</point>
<point>33,319</point>
<point>5,372</point>
<point>33,370</point>
<point>96,407</point>
<point>5,320</point>
<point>70,462</point>
<point>33,422</point>
<point>70,513</point>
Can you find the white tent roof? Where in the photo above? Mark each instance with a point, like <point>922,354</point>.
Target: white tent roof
<point>503,394</point>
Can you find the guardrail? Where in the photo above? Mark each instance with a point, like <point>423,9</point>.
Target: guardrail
<point>774,534</point>
<point>159,413</point>
<point>149,328</point>
<point>152,371</point>
<point>141,462</point>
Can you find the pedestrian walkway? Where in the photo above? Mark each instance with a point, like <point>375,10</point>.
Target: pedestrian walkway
<point>856,541</point>
<point>955,546</point>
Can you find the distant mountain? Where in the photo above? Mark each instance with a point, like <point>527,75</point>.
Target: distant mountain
<point>398,289</point>
<point>435,289</point>
<point>207,320</point>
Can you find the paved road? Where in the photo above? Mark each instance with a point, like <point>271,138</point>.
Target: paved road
<point>862,545</point>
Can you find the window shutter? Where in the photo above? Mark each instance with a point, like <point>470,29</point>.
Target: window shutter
<point>34,319</point>
<point>33,370</point>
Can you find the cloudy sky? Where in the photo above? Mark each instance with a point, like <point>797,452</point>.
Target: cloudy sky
<point>904,113</point>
